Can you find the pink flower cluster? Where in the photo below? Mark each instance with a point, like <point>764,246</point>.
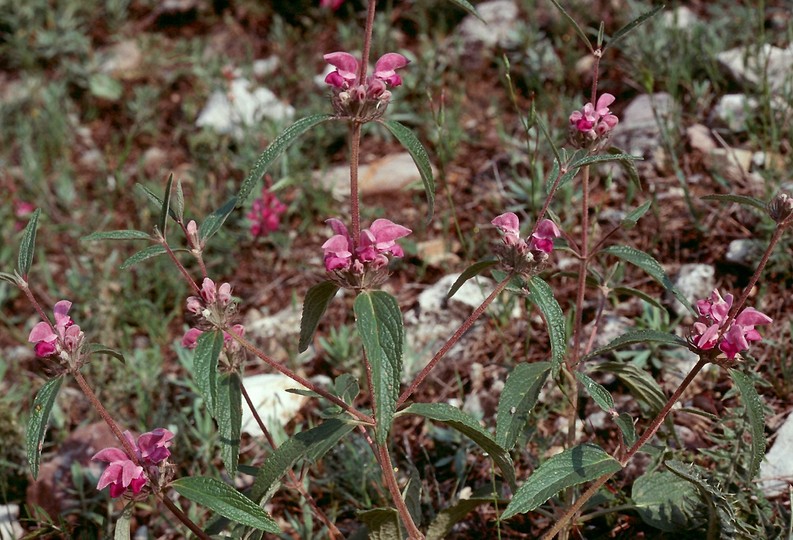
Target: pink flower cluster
<point>709,328</point>
<point>524,256</point>
<point>210,294</point>
<point>595,121</point>
<point>368,99</point>
<point>374,246</point>
<point>265,214</point>
<point>215,306</point>
<point>332,4</point>
<point>123,474</point>
<point>51,340</point>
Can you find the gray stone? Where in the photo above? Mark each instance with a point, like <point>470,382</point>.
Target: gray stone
<point>776,471</point>
<point>122,60</point>
<point>700,139</point>
<point>278,334</point>
<point>732,110</point>
<point>744,251</point>
<point>732,163</point>
<point>274,404</point>
<point>638,132</point>
<point>386,175</point>
<point>9,522</point>
<point>610,328</point>
<point>242,106</point>
<point>265,66</point>
<point>751,65</point>
<point>500,26</point>
<point>695,281</point>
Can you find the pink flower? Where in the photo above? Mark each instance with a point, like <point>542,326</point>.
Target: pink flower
<point>265,214</point>
<point>509,225</point>
<point>594,121</point>
<point>65,335</point>
<point>190,339</point>
<point>123,474</point>
<point>374,246</point>
<point>332,4</point>
<point>346,73</point>
<point>542,238</point>
<point>713,314</point>
<point>386,66</point>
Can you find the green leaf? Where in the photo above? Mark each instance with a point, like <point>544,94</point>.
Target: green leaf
<point>412,493</point>
<point>630,291</point>
<point>722,522</point>
<point>382,523</point>
<point>601,158</point>
<point>572,467</point>
<point>753,406</point>
<point>379,323</point>
<point>98,348</point>
<point>467,6</point>
<point>518,398</point>
<point>142,255</point>
<point>667,502</point>
<point>442,525</point>
<point>419,154</point>
<point>317,300</point>
<point>639,336</point>
<point>155,200</point>
<point>574,24</point>
<point>179,202</point>
<point>226,501</point>
<point>743,200</point>
<point>276,148</point>
<point>165,210</point>
<point>121,531</point>
<point>649,265</point>
<point>473,270</point>
<point>630,221</point>
<point>599,395</point>
<point>104,86</point>
<point>625,30</point>
<point>625,423</point>
<point>205,366</point>
<point>28,244</point>
<point>311,445</point>
<point>542,297</point>
<point>117,235</point>
<point>37,423</point>
<point>215,220</point>
<point>468,426</point>
<point>643,387</point>
<point>229,418</point>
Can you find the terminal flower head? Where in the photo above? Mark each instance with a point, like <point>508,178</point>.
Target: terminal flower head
<point>709,329</point>
<point>63,336</point>
<point>265,214</point>
<point>122,474</point>
<point>331,4</point>
<point>592,122</point>
<point>524,256</point>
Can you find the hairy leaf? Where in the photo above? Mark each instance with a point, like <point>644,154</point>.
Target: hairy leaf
<point>37,423</point>
<point>228,409</point>
<point>575,26</point>
<point>142,255</point>
<point>630,221</point>
<point>572,467</point>
<point>518,398</point>
<point>722,521</point>
<point>542,297</point>
<point>99,349</point>
<point>639,336</point>
<point>599,395</point>
<point>754,413</point>
<point>467,6</point>
<point>117,235</point>
<point>639,383</point>
<point>625,423</point>
<point>743,200</point>
<point>226,501</point>
<point>316,302</point>
<point>121,531</point>
<point>166,207</point>
<point>215,220</point>
<point>625,30</point>
<point>28,244</point>
<point>419,154</point>
<point>472,271</point>
<point>666,501</point>
<point>205,366</point>
<point>379,323</point>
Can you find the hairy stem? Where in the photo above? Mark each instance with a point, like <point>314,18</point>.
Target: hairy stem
<point>452,340</point>
<point>180,266</point>
<point>355,149</point>
<point>391,482</point>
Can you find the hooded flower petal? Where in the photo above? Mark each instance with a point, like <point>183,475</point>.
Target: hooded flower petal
<point>386,66</point>
<point>153,446</point>
<point>346,67</point>
<point>385,230</point>
<point>507,223</point>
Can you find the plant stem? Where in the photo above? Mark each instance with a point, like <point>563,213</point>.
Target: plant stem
<point>32,299</point>
<point>390,479</point>
<point>355,150</point>
<point>452,340</point>
<point>180,266</point>
<point>181,516</point>
<point>367,41</point>
<point>250,347</point>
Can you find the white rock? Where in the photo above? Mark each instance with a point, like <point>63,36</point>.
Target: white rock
<point>743,251</point>
<point>273,403</point>
<point>122,60</point>
<point>638,132</point>
<point>733,109</point>
<point>776,471</point>
<point>732,163</point>
<point>748,64</point>
<point>695,281</point>
<point>500,26</point>
<point>699,138</point>
<point>681,18</point>
<point>266,66</point>
<point>228,112</point>
<point>9,522</point>
<point>386,175</point>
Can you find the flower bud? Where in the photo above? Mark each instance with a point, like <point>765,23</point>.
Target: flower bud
<point>781,207</point>
<point>192,235</point>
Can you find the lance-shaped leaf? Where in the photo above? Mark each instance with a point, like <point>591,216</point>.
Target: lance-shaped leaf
<point>205,366</point>
<point>722,522</point>
<point>37,423</point>
<point>165,209</point>
<point>276,148</point>
<point>625,30</point>
<point>667,502</point>
<point>599,395</point>
<point>99,349</point>
<point>117,235</point>
<point>379,323</point>
<point>144,254</point>
<point>572,467</point>
<point>156,200</point>
<point>630,221</point>
<point>178,203</point>
<point>382,524</point>
<point>228,413</point>
<point>472,271</point>
<point>753,407</point>
<point>226,501</point>
<point>467,6</point>
<point>518,398</point>
<point>625,423</point>
<point>28,244</point>
<point>743,200</point>
<point>639,336</point>
<point>121,531</point>
<point>215,220</point>
<point>542,297</point>
<point>649,265</point>
<point>447,518</point>
<point>311,444</point>
<point>574,24</point>
<point>468,426</point>
<point>316,302</point>
<point>419,154</point>
<point>601,158</point>
<point>643,387</point>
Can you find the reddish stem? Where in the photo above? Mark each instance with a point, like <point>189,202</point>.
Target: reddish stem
<point>393,487</point>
